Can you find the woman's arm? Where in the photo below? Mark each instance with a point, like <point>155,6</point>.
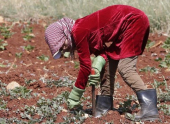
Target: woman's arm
<point>80,36</point>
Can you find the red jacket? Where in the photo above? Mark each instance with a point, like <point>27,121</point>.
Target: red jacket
<point>126,27</point>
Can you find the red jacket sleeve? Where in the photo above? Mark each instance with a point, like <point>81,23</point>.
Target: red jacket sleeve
<point>80,37</point>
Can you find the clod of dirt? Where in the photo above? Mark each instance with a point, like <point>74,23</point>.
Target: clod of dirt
<point>167,70</point>
<point>12,85</point>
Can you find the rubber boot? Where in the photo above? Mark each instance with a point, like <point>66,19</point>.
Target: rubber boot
<point>104,103</point>
<point>148,102</point>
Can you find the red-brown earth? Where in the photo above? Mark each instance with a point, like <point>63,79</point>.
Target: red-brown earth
<point>28,67</point>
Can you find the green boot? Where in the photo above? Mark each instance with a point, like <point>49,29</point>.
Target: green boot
<point>74,97</point>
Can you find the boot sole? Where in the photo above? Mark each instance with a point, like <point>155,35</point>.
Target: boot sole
<point>151,118</point>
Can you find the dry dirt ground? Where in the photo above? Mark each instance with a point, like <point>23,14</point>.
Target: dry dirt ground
<point>23,66</point>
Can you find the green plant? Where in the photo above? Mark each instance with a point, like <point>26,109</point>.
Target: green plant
<point>46,109</point>
<point>127,105</point>
<point>166,62</point>
<point>28,37</point>
<point>76,64</point>
<point>166,44</point>
<point>3,90</point>
<point>20,92</point>
<point>165,108</point>
<point>158,59</point>
<point>29,48</point>
<point>2,44</point>
<point>13,120</point>
<point>150,69</point>
<point>29,81</point>
<point>2,65</point>
<point>18,55</point>
<point>78,118</point>
<point>149,44</point>
<point>43,58</point>
<point>62,82</point>
<point>5,31</point>
<point>2,104</point>
<point>162,96</point>
<point>26,29</point>
<point>117,85</point>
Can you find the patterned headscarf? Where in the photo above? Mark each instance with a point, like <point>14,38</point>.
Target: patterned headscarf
<point>57,33</point>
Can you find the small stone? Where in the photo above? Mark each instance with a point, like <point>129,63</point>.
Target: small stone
<point>123,116</point>
<point>86,115</point>
<point>153,54</point>
<point>137,123</point>
<point>167,70</point>
<point>12,85</point>
<point>64,110</point>
<point>110,112</point>
<point>1,19</point>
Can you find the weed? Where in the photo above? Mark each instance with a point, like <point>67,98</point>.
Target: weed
<point>29,48</point>
<point>162,96</point>
<point>46,109</point>
<point>165,108</point>
<point>76,64</point>
<point>22,92</point>
<point>12,121</point>
<point>3,90</point>
<point>149,44</point>
<point>2,104</point>
<point>28,37</point>
<point>150,69</point>
<point>166,62</point>
<point>77,118</point>
<point>5,31</point>
<point>43,58</point>
<point>158,59</point>
<point>18,55</point>
<point>26,29</point>
<point>2,44</point>
<point>29,81</point>
<point>127,106</point>
<point>166,44</point>
<point>62,82</point>
<point>117,85</point>
<point>2,65</point>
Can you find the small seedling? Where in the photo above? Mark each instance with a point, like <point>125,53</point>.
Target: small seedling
<point>165,108</point>
<point>150,69</point>
<point>18,55</point>
<point>29,81</point>
<point>62,82</point>
<point>2,65</point>
<point>43,58</point>
<point>5,31</point>
<point>28,37</point>
<point>2,104</point>
<point>2,44</point>
<point>166,44</point>
<point>166,62</point>
<point>26,29</point>
<point>22,92</point>
<point>76,65</point>
<point>149,44</point>
<point>127,106</point>
<point>29,48</point>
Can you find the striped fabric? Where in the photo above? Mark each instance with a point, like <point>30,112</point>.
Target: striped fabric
<point>57,32</point>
